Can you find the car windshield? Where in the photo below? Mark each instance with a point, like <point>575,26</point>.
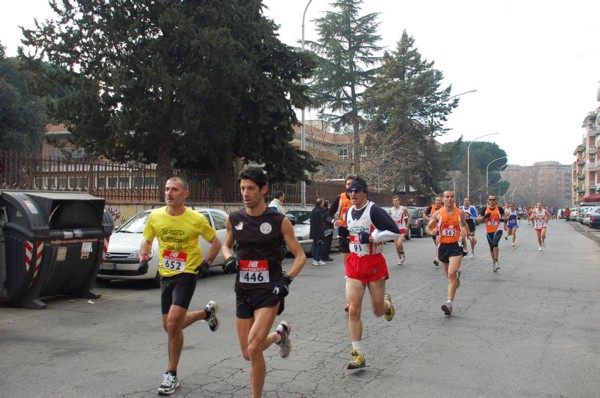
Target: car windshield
<point>136,224</point>
<point>302,216</point>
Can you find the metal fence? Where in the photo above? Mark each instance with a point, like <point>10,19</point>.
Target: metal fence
<point>138,183</point>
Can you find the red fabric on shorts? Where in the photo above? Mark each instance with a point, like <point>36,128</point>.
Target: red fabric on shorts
<point>369,268</point>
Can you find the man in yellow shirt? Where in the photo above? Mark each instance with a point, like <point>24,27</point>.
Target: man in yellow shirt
<point>177,229</point>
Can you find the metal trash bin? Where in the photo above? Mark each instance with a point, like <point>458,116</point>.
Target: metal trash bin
<point>51,243</point>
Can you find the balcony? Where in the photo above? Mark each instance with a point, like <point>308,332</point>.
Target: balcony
<point>580,162</point>
<point>581,176</point>
<point>592,150</point>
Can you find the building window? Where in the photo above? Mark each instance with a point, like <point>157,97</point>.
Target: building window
<point>364,152</point>
<point>343,153</point>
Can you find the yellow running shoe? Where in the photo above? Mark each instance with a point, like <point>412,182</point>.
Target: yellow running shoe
<point>389,314</point>
<point>357,362</point>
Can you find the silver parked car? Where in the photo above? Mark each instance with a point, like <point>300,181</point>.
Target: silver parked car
<point>123,254</point>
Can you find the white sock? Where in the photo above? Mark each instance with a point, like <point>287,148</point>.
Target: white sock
<point>357,345</point>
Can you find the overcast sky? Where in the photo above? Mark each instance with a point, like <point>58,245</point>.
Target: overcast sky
<point>535,64</point>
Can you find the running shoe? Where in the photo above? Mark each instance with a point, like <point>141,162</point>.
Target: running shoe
<point>436,263</point>
<point>513,244</point>
<point>321,262</point>
<point>389,314</point>
<point>285,345</point>
<point>358,361</point>
<point>447,308</point>
<point>168,385</point>
<point>495,266</point>
<point>472,255</point>
<point>402,258</point>
<point>316,263</point>
<point>457,279</point>
<point>213,320</point>
<point>540,248</point>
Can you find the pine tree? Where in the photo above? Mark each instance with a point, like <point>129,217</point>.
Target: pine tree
<point>406,108</point>
<point>347,52</point>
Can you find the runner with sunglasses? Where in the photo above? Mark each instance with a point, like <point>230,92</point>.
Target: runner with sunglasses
<point>369,226</point>
<point>493,216</point>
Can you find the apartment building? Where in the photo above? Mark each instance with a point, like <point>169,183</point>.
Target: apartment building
<point>334,151</point>
<point>547,181</point>
<point>586,167</point>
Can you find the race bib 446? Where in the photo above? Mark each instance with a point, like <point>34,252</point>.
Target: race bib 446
<point>254,271</point>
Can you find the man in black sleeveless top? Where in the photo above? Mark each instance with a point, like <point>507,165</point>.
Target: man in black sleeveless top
<point>260,287</point>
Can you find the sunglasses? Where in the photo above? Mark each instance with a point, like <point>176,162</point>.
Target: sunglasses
<point>356,190</point>
<point>492,200</point>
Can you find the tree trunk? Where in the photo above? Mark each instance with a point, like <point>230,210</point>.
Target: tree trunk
<point>164,168</point>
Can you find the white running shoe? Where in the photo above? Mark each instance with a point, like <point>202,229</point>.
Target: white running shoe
<point>321,262</point>
<point>285,345</point>
<point>213,321</point>
<point>168,385</point>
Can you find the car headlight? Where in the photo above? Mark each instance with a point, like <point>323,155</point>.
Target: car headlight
<point>136,254</point>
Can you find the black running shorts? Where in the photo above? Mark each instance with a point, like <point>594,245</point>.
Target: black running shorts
<point>247,302</point>
<point>493,238</point>
<point>471,225</point>
<point>177,290</point>
<point>447,250</point>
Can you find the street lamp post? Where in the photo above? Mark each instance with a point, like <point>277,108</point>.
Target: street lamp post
<point>302,129</point>
<point>469,161</point>
<point>487,180</point>
<point>512,195</point>
<point>459,94</point>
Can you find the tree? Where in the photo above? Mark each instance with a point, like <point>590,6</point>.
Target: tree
<point>189,84</point>
<point>406,108</point>
<point>22,117</point>
<point>346,48</point>
<point>481,154</point>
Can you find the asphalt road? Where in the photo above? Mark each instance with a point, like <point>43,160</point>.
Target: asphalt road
<point>530,330</point>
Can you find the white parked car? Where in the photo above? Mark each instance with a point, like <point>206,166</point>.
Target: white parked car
<point>123,255</point>
<point>591,211</point>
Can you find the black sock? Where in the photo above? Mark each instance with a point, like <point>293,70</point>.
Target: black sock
<point>173,372</point>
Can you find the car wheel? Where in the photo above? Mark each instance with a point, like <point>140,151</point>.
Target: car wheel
<point>204,271</point>
<point>419,233</point>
